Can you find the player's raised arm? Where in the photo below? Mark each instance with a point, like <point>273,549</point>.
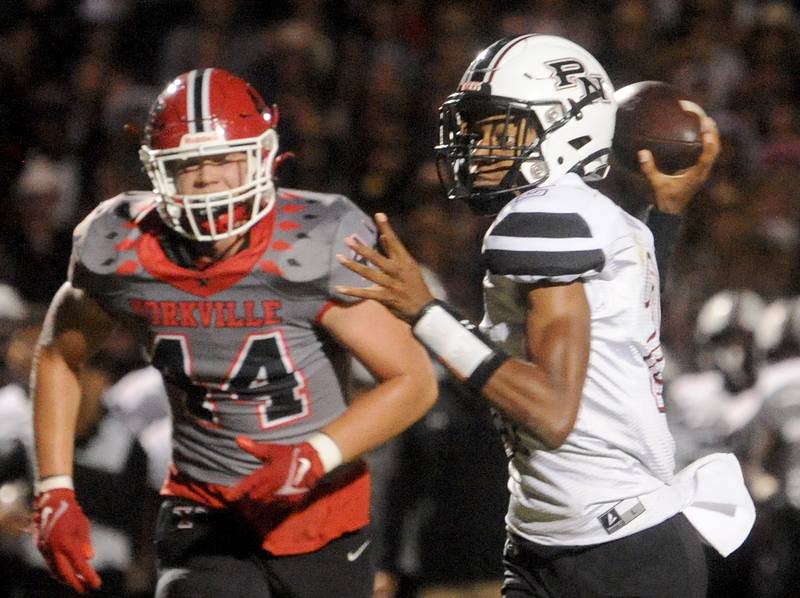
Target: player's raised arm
<point>542,394</point>
<point>74,328</point>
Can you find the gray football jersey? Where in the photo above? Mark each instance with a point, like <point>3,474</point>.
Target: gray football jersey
<point>238,343</point>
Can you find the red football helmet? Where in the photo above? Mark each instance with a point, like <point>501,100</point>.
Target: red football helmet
<point>208,112</point>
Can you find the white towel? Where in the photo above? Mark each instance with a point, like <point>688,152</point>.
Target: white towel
<point>718,504</point>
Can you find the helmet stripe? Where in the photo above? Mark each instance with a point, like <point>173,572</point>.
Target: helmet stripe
<point>197,100</point>
<point>205,101</point>
<point>500,55</point>
<point>482,69</point>
<point>480,65</point>
<point>190,112</point>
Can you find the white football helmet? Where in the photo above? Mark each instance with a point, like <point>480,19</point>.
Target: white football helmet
<point>778,333</point>
<point>537,82</point>
<point>724,336</point>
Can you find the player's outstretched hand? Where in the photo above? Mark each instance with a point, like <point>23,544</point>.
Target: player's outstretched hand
<point>62,536</point>
<point>673,192</point>
<point>397,276</point>
<point>288,472</point>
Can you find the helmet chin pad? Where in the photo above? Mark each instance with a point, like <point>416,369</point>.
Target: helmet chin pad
<point>488,201</point>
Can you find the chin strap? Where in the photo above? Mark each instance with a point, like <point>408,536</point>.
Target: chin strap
<point>491,202</point>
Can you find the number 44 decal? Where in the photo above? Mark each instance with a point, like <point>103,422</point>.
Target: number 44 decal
<point>262,374</point>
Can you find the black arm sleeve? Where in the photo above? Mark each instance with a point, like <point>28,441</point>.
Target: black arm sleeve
<point>666,229</point>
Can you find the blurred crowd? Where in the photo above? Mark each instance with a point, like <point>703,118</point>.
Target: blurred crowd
<point>358,83</point>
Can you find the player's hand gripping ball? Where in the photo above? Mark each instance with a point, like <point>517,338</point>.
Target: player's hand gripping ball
<point>652,115</point>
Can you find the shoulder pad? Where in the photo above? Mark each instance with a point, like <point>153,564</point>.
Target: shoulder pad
<point>555,233</point>
<point>327,220</point>
<point>96,240</point>
<point>306,230</point>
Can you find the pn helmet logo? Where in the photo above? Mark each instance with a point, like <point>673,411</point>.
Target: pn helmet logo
<point>566,71</point>
<point>569,72</point>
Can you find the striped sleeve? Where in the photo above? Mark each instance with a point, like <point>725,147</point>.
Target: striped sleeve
<point>539,246</point>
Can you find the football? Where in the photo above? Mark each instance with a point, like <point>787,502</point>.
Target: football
<point>652,115</point>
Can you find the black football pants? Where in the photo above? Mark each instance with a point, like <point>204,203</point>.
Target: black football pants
<point>664,561</point>
<point>207,553</point>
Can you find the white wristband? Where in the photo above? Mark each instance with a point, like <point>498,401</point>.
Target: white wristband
<point>51,483</point>
<point>454,344</point>
<point>330,455</point>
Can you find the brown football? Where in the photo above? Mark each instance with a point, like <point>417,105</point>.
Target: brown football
<point>653,115</point>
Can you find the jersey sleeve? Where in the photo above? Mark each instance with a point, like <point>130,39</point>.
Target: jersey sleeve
<point>549,239</point>
<point>81,273</point>
<point>352,223</point>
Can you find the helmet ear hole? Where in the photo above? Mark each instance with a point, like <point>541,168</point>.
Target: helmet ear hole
<point>579,142</point>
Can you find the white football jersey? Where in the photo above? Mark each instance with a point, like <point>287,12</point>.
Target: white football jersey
<point>612,475</point>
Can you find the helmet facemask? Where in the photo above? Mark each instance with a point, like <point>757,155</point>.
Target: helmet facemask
<point>221,214</point>
<point>482,137</point>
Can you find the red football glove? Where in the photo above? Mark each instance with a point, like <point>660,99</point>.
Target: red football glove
<point>62,536</point>
<point>288,473</point>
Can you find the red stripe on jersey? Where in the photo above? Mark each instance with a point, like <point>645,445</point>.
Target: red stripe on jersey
<point>293,208</point>
<point>215,278</point>
<point>652,351</point>
<point>281,245</point>
<point>127,268</point>
<point>125,245</point>
<point>289,225</point>
<point>271,267</point>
